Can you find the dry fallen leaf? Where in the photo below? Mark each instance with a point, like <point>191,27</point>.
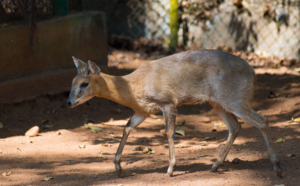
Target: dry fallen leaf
<point>180,123</point>
<point>99,155</point>
<point>0,151</point>
<point>206,138</point>
<point>92,127</point>
<point>116,136</point>
<point>46,121</point>
<point>295,120</point>
<point>148,151</point>
<point>273,95</point>
<point>6,174</point>
<point>291,155</point>
<point>133,174</point>
<point>179,146</point>
<point>1,125</point>
<point>139,148</point>
<point>280,140</point>
<point>18,149</point>
<point>81,146</point>
<point>47,178</point>
<point>151,152</point>
<point>180,131</point>
<point>9,173</point>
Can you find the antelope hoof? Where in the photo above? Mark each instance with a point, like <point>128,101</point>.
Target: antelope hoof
<point>278,170</point>
<point>170,171</point>
<point>214,169</point>
<point>118,170</point>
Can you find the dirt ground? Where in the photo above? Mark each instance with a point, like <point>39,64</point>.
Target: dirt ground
<point>56,152</point>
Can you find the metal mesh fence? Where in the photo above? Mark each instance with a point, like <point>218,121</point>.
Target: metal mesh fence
<point>75,5</point>
<point>154,14</point>
<point>263,26</point>
<point>17,10</point>
<point>266,27</point>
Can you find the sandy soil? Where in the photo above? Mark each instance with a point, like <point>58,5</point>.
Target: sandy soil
<point>56,151</point>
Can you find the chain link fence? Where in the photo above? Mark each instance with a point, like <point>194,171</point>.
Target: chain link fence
<point>153,13</point>
<point>12,11</point>
<point>268,27</point>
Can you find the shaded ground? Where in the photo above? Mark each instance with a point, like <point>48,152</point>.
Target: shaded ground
<point>56,153</point>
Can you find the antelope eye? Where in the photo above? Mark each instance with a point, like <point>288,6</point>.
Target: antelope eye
<point>84,85</point>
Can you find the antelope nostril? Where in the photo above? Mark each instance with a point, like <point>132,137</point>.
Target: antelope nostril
<point>69,103</point>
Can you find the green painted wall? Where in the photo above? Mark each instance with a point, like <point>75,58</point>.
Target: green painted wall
<point>60,7</point>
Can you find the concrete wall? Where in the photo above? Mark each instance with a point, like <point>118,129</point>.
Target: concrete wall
<point>24,75</point>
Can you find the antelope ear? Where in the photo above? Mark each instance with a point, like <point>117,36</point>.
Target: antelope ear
<point>93,68</point>
<point>79,64</point>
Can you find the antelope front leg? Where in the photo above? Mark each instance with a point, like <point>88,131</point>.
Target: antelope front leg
<point>134,121</point>
<point>170,117</point>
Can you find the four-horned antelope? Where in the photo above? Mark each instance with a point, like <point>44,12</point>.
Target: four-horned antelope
<point>190,77</point>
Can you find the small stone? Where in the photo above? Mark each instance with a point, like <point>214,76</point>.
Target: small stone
<point>236,161</point>
<point>33,131</point>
